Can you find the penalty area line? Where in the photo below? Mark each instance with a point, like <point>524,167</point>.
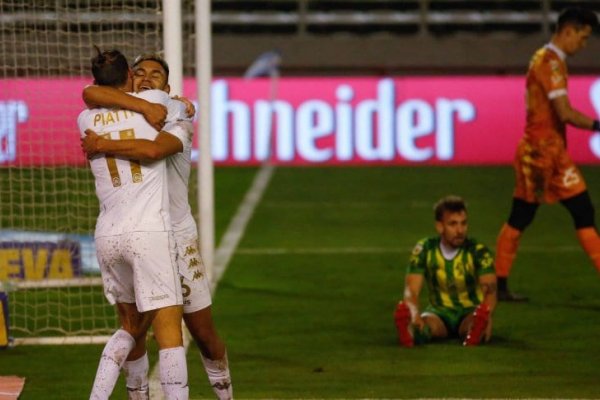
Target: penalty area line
<point>376,250</point>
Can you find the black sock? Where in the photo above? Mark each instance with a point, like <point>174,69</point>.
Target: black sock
<point>502,284</point>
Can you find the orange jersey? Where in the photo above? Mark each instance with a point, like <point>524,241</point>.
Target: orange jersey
<point>544,170</point>
<point>546,80</point>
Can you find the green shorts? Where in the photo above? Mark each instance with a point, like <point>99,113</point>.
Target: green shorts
<point>452,317</point>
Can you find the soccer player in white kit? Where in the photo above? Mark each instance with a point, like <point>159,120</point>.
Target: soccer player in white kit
<point>134,239</point>
<point>151,72</point>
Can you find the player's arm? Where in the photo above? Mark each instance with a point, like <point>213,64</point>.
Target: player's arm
<point>105,96</point>
<point>190,109</point>
<point>488,286</point>
<point>413,284</point>
<point>164,145</point>
<point>569,115</point>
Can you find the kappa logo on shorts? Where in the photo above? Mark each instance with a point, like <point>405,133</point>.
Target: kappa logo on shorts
<point>197,275</point>
<point>571,177</point>
<point>195,265</point>
<point>190,250</point>
<point>194,262</point>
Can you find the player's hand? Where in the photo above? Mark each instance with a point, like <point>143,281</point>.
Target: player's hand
<point>89,143</point>
<point>190,109</point>
<point>418,322</point>
<point>155,114</point>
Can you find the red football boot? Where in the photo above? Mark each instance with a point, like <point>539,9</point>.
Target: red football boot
<point>403,319</point>
<point>481,316</point>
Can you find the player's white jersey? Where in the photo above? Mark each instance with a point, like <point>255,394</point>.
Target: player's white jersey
<point>178,172</point>
<point>127,205</point>
<point>194,281</point>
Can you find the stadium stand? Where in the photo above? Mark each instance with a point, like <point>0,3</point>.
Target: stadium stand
<point>367,36</point>
<point>388,36</point>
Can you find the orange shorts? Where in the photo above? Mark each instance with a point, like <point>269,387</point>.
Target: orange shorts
<point>545,173</point>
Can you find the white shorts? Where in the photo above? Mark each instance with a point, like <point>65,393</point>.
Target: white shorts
<point>194,282</point>
<point>140,268</point>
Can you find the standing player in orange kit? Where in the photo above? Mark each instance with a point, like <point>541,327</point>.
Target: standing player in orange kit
<point>544,170</point>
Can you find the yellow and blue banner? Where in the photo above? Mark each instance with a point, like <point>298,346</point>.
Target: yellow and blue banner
<point>39,260</point>
<point>4,320</point>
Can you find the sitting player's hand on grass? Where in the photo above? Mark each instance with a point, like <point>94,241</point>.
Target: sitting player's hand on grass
<point>418,322</point>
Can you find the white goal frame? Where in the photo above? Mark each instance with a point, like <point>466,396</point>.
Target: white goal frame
<point>172,42</point>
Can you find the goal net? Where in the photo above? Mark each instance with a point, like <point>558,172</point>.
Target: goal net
<point>48,206</point>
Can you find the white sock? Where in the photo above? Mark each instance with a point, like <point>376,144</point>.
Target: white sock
<point>113,356</point>
<point>173,373</point>
<point>219,377</point>
<point>136,378</point>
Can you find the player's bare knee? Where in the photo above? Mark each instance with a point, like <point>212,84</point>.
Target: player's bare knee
<point>204,333</point>
<point>168,336</point>
<point>200,325</point>
<point>136,329</point>
<point>134,322</point>
<point>436,325</point>
<point>167,327</point>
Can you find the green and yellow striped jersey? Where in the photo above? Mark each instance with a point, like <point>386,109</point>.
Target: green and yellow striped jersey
<point>452,283</point>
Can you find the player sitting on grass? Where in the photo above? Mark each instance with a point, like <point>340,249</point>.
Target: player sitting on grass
<point>460,276</point>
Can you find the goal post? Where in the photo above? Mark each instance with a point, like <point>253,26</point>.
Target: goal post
<point>46,188</point>
<point>173,49</point>
<point>205,162</point>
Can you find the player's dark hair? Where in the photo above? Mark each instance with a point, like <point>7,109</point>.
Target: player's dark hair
<point>577,17</point>
<point>110,68</point>
<point>449,203</point>
<point>152,57</point>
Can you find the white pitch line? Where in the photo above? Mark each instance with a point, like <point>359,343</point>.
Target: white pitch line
<point>229,242</point>
<point>319,250</point>
<point>378,250</point>
<point>238,224</point>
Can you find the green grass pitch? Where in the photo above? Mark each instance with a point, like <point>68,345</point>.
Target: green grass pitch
<point>306,304</point>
